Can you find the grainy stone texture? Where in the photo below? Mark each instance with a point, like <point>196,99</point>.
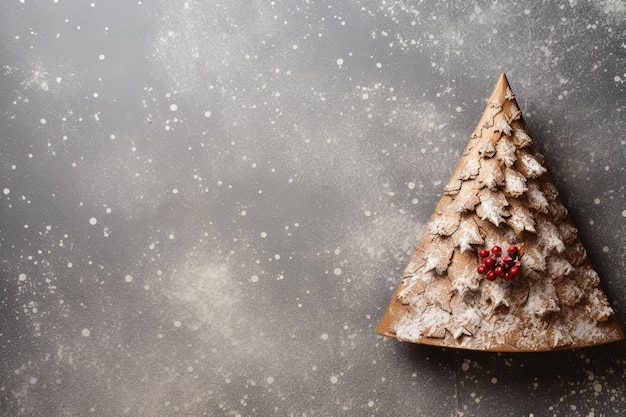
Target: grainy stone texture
<point>205,206</point>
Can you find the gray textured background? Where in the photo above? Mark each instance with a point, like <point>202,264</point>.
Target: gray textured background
<point>205,206</point>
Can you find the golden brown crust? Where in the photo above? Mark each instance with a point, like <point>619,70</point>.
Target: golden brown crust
<point>499,194</point>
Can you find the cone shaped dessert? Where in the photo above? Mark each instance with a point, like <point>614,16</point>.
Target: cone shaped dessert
<point>500,266</point>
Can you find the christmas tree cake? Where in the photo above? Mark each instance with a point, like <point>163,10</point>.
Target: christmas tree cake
<point>500,266</point>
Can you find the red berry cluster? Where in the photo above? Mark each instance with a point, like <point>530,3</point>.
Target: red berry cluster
<point>496,264</point>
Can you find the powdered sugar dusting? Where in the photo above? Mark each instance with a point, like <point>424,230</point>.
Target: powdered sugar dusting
<point>544,308</point>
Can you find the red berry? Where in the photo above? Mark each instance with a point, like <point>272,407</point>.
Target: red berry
<point>483,253</point>
<point>514,270</point>
<point>482,269</point>
<point>496,250</point>
<point>512,250</point>
<point>489,262</point>
<point>498,271</point>
<point>508,276</point>
<point>490,276</point>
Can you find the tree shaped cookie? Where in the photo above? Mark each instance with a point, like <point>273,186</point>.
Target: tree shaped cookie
<point>500,266</point>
